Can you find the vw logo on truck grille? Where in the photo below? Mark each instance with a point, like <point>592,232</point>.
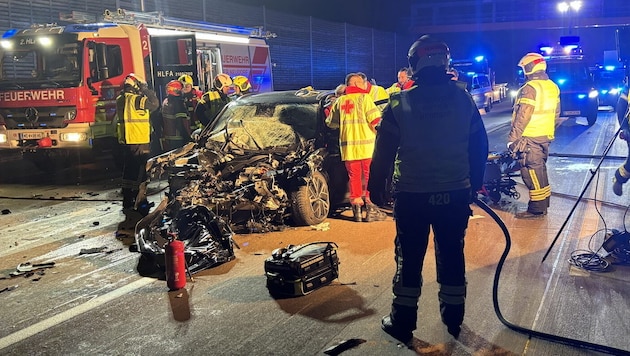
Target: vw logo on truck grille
<point>31,114</point>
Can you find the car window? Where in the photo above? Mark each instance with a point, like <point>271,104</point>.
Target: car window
<point>264,125</point>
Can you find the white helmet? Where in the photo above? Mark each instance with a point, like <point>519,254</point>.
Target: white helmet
<point>532,62</point>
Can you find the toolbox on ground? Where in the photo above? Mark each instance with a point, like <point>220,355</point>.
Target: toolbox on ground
<point>299,270</point>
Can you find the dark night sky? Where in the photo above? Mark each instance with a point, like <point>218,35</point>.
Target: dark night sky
<point>375,14</point>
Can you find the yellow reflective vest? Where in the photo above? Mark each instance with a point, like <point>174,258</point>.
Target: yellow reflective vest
<point>543,119</point>
<point>355,114</point>
<point>134,127</point>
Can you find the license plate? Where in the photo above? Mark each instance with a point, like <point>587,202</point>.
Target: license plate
<point>31,135</point>
<point>573,112</point>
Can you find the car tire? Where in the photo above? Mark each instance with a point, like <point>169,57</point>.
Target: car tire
<point>310,203</point>
<point>488,106</point>
<point>591,117</point>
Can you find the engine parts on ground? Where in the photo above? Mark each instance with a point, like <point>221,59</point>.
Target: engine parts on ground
<point>299,270</point>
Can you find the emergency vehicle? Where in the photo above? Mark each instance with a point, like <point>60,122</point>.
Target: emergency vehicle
<point>568,68</point>
<point>58,83</point>
<point>480,78</point>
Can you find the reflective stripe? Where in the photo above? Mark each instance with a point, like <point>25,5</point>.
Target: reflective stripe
<point>452,294</point>
<point>540,194</point>
<point>623,172</point>
<point>406,301</point>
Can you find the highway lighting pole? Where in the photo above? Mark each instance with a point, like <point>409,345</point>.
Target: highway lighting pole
<point>569,7</point>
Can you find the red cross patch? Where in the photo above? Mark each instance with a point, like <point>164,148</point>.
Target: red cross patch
<point>347,106</point>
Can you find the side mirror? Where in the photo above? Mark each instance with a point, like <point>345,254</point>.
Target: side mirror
<point>89,85</point>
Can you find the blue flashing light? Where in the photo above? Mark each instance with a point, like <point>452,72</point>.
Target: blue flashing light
<point>581,96</point>
<point>604,91</point>
<point>546,50</point>
<point>479,58</point>
<point>561,81</point>
<point>10,33</point>
<point>470,74</point>
<point>609,68</point>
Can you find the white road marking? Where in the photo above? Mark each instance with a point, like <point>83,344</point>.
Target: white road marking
<point>71,313</point>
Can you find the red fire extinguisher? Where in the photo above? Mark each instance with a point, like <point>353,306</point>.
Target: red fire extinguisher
<point>175,265</point>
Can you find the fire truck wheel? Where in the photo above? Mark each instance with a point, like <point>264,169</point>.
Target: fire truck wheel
<point>310,203</point>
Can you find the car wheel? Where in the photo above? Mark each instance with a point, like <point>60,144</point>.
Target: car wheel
<point>488,106</point>
<point>591,117</point>
<point>310,204</point>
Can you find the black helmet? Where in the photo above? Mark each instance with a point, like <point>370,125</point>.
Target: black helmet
<point>428,52</point>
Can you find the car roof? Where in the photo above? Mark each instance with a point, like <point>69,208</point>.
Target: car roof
<point>302,96</point>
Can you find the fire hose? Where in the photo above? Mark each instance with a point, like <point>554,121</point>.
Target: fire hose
<point>521,329</point>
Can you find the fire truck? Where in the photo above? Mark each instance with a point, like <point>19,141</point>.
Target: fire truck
<point>58,83</point>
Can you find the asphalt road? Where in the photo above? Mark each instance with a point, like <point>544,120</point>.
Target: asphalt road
<point>96,303</point>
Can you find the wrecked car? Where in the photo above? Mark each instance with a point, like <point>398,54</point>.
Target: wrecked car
<point>266,161</point>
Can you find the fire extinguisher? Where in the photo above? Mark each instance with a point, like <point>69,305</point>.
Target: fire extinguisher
<point>175,264</point>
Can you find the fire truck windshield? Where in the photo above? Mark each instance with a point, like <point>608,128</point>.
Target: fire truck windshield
<point>35,67</point>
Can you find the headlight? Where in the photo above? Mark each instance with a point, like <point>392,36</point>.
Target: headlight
<point>3,138</point>
<point>513,93</point>
<point>593,94</point>
<point>614,91</point>
<point>73,137</point>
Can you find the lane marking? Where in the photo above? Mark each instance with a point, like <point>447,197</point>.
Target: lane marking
<point>71,313</point>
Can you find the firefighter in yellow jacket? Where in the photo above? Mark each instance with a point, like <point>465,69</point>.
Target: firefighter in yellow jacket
<point>133,107</point>
<point>536,108</point>
<point>213,101</point>
<point>356,116</point>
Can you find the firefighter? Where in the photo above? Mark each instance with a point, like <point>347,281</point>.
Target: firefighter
<point>214,100</point>
<point>191,97</point>
<point>242,86</point>
<point>536,108</point>
<point>434,134</point>
<point>622,174</point>
<point>356,116</point>
<point>176,122</point>
<point>133,108</point>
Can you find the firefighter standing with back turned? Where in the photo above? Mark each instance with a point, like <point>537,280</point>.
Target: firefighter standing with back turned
<point>442,146</point>
<point>536,108</point>
<point>133,107</point>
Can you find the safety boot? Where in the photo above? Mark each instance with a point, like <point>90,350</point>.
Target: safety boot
<point>530,215</point>
<point>373,213</point>
<point>357,213</point>
<point>617,187</point>
<point>399,333</point>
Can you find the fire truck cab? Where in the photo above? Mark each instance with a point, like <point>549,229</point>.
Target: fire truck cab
<point>58,84</point>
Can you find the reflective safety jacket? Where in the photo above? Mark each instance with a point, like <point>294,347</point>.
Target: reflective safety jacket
<point>356,116</point>
<point>379,95</point>
<point>210,105</point>
<point>536,108</point>
<point>133,111</point>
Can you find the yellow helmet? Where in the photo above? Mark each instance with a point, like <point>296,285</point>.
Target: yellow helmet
<point>222,80</point>
<point>242,83</point>
<point>532,62</point>
<point>185,79</point>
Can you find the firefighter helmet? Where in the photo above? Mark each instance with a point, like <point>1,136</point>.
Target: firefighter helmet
<point>428,52</point>
<point>174,88</point>
<point>132,82</point>
<point>532,62</point>
<point>185,79</point>
<point>242,83</point>
<point>222,80</point>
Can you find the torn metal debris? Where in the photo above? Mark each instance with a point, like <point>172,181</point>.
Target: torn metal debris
<point>263,163</point>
